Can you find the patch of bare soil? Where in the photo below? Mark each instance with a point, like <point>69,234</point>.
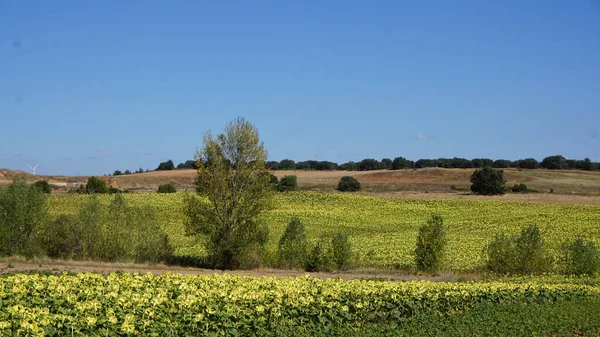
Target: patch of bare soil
<point>106,268</point>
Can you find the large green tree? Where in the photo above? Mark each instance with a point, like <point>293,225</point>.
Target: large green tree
<point>236,189</point>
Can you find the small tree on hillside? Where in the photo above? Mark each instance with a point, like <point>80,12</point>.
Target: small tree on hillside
<point>166,188</point>
<point>488,181</point>
<point>348,184</point>
<point>237,187</point>
<point>96,185</point>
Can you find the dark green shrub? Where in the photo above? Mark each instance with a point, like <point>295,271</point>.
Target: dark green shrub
<point>369,164</point>
<point>528,163</point>
<point>341,250</point>
<point>501,163</point>
<point>524,254</point>
<point>165,166</point>
<point>348,184</point>
<point>431,245</point>
<point>166,188</point>
<point>23,211</point>
<point>288,183</point>
<point>520,188</point>
<point>43,186</point>
<point>318,258</point>
<point>488,181</point>
<point>293,245</point>
<point>580,257</point>
<point>96,185</point>
<point>117,173</point>
<point>385,164</point>
<point>114,190</point>
<point>287,164</point>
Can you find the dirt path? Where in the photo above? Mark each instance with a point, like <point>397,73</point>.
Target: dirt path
<point>106,268</point>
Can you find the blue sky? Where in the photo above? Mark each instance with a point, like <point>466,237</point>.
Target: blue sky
<point>90,87</point>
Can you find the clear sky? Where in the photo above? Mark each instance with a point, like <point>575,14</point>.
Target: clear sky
<point>90,87</point>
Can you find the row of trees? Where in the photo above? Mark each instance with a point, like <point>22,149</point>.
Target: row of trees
<point>557,162</point>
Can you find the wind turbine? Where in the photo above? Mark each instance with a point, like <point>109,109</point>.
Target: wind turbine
<point>33,168</point>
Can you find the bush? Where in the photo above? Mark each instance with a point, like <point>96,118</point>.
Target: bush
<point>580,257</point>
<point>43,186</point>
<point>114,190</point>
<point>288,183</point>
<point>348,184</point>
<point>341,250</point>
<point>96,185</point>
<point>525,254</point>
<point>488,181</point>
<point>431,245</point>
<point>528,163</point>
<point>318,258</point>
<point>23,211</point>
<point>501,163</point>
<point>557,162</point>
<point>520,188</point>
<point>166,188</point>
<point>293,245</point>
<point>402,163</point>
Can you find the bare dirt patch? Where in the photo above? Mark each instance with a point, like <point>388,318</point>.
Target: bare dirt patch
<point>106,268</point>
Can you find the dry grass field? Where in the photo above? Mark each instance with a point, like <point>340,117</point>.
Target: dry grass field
<point>553,186</point>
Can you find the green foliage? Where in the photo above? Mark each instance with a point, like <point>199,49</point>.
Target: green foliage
<point>44,186</point>
<point>114,233</point>
<point>288,183</point>
<point>488,181</point>
<point>501,163</point>
<point>120,304</point>
<point>431,245</point>
<point>386,164</point>
<point>232,177</point>
<point>580,257</point>
<point>287,164</point>
<point>23,210</point>
<point>528,163</point>
<point>293,245</point>
<point>368,165</point>
<point>341,250</point>
<point>318,258</point>
<point>272,165</point>
<point>521,188</point>
<point>96,185</point>
<point>524,254</point>
<point>114,190</point>
<point>166,188</point>
<point>165,166</point>
<point>482,162</point>
<point>117,173</point>
<point>557,162</point>
<point>402,163</point>
<point>348,184</point>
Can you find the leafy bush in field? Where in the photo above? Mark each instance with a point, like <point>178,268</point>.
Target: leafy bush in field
<point>287,164</point>
<point>96,185</point>
<point>23,210</point>
<point>580,257</point>
<point>43,186</point>
<point>488,181</point>
<point>431,245</point>
<point>369,164</point>
<point>274,182</point>
<point>341,250</point>
<point>288,183</point>
<point>166,188</point>
<point>318,257</point>
<point>114,190</point>
<point>524,254</point>
<point>348,184</point>
<point>520,188</point>
<point>293,245</point>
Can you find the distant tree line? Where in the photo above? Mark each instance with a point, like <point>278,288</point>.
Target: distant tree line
<point>556,162</point>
